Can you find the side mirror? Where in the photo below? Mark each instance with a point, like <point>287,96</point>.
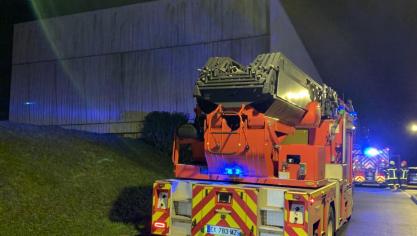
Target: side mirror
<point>187,131</point>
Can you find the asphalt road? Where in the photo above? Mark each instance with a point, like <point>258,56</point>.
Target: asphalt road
<point>381,212</point>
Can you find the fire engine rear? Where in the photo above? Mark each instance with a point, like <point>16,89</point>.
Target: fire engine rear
<point>369,167</point>
<point>269,153</point>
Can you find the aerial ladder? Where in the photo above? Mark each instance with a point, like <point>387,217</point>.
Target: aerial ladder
<point>269,153</point>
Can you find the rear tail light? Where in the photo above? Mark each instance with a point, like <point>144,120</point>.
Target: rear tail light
<point>161,209</point>
<point>159,225</point>
<point>182,208</point>
<point>162,199</point>
<point>297,213</point>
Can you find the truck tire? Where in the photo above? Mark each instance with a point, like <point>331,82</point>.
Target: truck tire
<point>351,212</point>
<point>331,226</point>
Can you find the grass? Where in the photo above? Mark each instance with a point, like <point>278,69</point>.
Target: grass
<point>59,182</point>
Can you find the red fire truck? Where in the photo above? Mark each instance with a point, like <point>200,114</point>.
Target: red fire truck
<point>269,153</point>
<point>369,166</point>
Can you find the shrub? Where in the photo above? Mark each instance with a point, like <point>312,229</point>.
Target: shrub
<point>159,128</point>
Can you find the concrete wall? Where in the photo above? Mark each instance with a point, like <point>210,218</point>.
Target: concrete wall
<point>102,71</point>
<point>284,38</point>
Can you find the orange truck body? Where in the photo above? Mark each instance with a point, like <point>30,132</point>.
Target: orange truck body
<point>257,172</point>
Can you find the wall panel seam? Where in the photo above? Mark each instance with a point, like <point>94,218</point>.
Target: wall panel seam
<point>143,50</point>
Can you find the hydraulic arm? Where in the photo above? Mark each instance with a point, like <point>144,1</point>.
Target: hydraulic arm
<point>247,115</point>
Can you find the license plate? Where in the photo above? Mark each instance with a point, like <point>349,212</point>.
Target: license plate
<point>222,231</point>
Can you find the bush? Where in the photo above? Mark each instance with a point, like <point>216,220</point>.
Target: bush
<point>159,128</point>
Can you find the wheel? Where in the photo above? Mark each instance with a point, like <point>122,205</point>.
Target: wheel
<point>351,211</point>
<point>348,219</point>
<point>331,226</point>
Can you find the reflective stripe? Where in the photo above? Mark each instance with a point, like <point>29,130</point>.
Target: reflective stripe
<point>161,215</point>
<point>299,231</point>
<point>359,178</point>
<point>404,173</point>
<point>241,211</point>
<point>392,173</point>
<point>380,179</point>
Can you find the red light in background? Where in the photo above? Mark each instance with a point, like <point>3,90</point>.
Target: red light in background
<point>311,201</point>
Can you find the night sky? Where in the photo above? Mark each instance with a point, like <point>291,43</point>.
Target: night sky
<point>366,50</point>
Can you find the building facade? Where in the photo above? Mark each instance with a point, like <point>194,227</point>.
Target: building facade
<point>102,71</point>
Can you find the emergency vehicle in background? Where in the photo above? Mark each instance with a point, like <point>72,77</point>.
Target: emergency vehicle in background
<point>412,177</point>
<point>270,153</point>
<point>369,166</point>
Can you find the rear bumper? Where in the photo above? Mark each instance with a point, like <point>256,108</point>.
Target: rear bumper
<point>198,207</point>
<point>194,207</point>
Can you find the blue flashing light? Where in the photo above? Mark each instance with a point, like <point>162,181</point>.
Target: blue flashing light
<point>371,152</point>
<point>238,171</point>
<point>233,171</point>
<point>229,171</point>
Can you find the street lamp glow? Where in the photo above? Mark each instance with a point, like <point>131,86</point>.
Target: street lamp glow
<point>412,128</point>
